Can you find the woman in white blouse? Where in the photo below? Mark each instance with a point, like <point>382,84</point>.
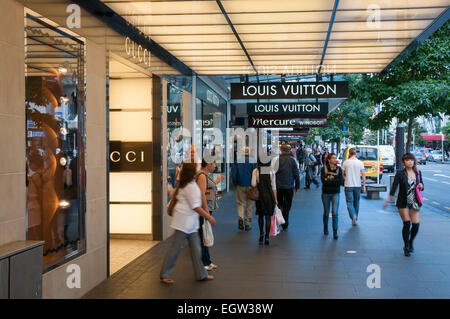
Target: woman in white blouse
<point>264,178</point>
<point>186,223</point>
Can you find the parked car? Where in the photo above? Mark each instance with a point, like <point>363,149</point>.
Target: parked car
<point>420,158</point>
<point>435,156</point>
<point>388,156</point>
<point>426,152</point>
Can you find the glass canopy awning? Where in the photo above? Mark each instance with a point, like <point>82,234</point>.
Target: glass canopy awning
<point>282,36</point>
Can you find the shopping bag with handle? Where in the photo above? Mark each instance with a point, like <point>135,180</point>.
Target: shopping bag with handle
<point>279,216</point>
<point>208,236</point>
<point>274,227</point>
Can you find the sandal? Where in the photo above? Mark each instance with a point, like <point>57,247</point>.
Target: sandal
<point>210,277</point>
<point>167,280</point>
<point>213,266</point>
<point>209,268</point>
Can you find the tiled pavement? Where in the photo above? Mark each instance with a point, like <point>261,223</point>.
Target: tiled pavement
<point>301,262</point>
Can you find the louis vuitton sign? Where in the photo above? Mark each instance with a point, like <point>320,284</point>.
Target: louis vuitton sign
<point>294,109</point>
<point>289,90</point>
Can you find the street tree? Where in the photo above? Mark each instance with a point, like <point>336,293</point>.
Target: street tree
<point>417,85</point>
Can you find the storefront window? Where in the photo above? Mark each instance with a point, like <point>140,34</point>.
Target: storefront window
<point>55,141</point>
<point>178,92</point>
<point>214,116</point>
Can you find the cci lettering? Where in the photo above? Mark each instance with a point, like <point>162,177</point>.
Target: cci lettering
<point>130,156</point>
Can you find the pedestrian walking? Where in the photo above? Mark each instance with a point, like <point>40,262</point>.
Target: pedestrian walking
<point>332,179</point>
<point>265,205</point>
<point>210,203</point>
<point>300,157</point>
<point>324,156</point>
<point>241,174</point>
<point>318,164</point>
<point>185,222</point>
<point>287,180</point>
<point>310,160</point>
<point>353,170</point>
<point>410,183</point>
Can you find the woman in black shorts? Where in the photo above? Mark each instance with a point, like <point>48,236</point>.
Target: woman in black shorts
<point>407,202</point>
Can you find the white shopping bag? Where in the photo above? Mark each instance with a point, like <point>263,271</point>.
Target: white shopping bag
<point>208,236</point>
<point>279,216</point>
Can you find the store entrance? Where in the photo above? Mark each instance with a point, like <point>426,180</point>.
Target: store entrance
<point>130,161</point>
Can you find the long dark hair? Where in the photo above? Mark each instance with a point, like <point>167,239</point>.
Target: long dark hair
<point>187,174</point>
<point>410,156</point>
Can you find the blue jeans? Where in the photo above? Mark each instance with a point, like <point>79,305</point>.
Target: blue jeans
<point>174,250</point>
<point>352,195</point>
<point>328,199</point>
<point>206,258</point>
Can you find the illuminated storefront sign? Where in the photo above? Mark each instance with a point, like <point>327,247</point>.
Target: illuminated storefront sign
<point>289,90</point>
<point>137,52</point>
<point>278,122</point>
<point>301,108</point>
<point>130,156</point>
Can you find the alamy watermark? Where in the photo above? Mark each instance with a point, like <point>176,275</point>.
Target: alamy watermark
<point>74,278</point>
<point>374,279</point>
<point>252,146</point>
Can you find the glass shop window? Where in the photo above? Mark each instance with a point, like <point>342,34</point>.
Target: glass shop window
<point>55,124</point>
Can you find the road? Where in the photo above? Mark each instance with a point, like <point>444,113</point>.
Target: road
<point>437,185</point>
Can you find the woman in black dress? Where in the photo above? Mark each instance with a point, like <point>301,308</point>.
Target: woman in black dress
<point>408,205</point>
<point>264,178</point>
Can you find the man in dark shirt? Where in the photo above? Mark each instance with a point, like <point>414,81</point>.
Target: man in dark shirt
<point>288,179</point>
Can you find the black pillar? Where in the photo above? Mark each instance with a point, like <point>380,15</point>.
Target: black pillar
<point>399,146</point>
<point>156,159</point>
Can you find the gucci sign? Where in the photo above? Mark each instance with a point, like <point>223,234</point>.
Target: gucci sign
<point>137,52</point>
<point>130,156</point>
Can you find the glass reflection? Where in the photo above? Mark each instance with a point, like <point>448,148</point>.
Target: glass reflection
<point>55,131</point>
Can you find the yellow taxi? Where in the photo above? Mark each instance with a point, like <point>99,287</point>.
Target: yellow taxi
<point>371,158</point>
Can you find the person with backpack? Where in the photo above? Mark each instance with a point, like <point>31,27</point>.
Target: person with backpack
<point>241,174</point>
<point>409,199</point>
<point>184,208</point>
<point>332,179</point>
<point>264,179</point>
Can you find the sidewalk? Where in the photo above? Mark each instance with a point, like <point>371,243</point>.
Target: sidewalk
<point>301,262</point>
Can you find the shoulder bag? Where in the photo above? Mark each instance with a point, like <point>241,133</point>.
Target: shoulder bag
<point>253,192</point>
<point>418,192</point>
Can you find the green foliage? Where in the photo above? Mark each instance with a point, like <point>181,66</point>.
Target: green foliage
<point>418,139</point>
<point>446,129</point>
<point>416,85</point>
<point>354,111</point>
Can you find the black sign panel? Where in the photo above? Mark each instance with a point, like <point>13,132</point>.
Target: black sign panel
<point>174,115</point>
<point>294,109</point>
<point>289,90</point>
<point>208,121</point>
<point>130,156</point>
<point>280,122</point>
